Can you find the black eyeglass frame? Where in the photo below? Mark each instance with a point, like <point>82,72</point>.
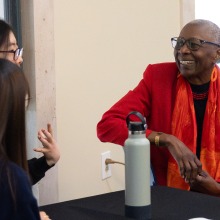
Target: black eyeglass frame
<point>174,39</point>
<point>17,53</point>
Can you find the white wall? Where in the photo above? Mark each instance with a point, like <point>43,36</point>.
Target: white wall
<point>1,9</point>
<point>208,10</point>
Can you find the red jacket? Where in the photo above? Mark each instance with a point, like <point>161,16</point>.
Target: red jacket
<point>153,97</point>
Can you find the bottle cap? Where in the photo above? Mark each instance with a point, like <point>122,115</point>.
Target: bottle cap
<point>136,125</point>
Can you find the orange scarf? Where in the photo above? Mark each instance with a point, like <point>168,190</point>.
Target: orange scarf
<point>184,127</point>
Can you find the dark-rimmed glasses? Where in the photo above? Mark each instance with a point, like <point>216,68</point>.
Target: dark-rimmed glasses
<point>192,43</point>
<point>17,53</point>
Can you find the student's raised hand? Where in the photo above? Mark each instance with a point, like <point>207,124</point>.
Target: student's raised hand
<point>50,148</point>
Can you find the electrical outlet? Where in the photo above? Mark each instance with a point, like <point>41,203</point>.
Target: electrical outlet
<point>106,169</point>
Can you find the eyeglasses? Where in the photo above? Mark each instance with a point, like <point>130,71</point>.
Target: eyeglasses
<point>27,101</point>
<point>192,43</point>
<point>17,53</point>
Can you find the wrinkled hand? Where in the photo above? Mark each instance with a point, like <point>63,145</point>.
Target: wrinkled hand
<point>204,183</point>
<point>189,164</point>
<point>50,148</point>
<point>44,216</point>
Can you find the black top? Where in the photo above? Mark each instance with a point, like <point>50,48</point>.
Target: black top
<point>37,169</point>
<point>200,97</point>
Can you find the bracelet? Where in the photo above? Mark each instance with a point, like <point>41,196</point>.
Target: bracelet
<point>157,139</point>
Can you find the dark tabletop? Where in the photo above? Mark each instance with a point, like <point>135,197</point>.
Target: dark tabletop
<point>166,204</point>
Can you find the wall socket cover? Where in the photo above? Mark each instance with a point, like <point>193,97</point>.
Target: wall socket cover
<point>106,169</point>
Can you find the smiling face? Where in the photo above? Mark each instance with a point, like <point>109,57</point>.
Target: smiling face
<point>196,66</point>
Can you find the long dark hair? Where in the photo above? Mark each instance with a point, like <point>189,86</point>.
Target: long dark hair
<point>5,30</point>
<point>14,90</point>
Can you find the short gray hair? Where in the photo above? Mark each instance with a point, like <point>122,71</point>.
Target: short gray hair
<point>213,28</point>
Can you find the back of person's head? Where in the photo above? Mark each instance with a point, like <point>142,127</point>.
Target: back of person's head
<point>14,90</point>
<point>5,30</point>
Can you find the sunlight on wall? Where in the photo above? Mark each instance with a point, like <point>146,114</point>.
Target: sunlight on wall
<point>1,8</point>
<point>208,9</point>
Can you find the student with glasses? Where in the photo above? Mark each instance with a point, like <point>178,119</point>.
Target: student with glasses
<point>181,103</point>
<point>10,51</point>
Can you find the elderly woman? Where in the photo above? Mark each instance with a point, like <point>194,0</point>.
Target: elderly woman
<point>181,103</point>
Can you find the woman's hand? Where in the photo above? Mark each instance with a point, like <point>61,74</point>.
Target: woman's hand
<point>204,183</point>
<point>50,147</point>
<point>188,163</point>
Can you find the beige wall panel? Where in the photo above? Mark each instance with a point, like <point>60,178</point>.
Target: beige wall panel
<point>102,48</point>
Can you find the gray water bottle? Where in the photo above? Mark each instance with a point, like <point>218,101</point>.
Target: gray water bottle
<point>137,169</point>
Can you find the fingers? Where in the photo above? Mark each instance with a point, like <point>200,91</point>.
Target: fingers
<point>191,171</point>
<point>41,150</point>
<point>182,169</point>
<point>47,134</point>
<point>49,128</point>
<point>192,168</point>
<point>198,181</point>
<point>198,164</point>
<point>44,216</point>
<point>43,135</point>
<point>188,170</point>
<point>46,139</point>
